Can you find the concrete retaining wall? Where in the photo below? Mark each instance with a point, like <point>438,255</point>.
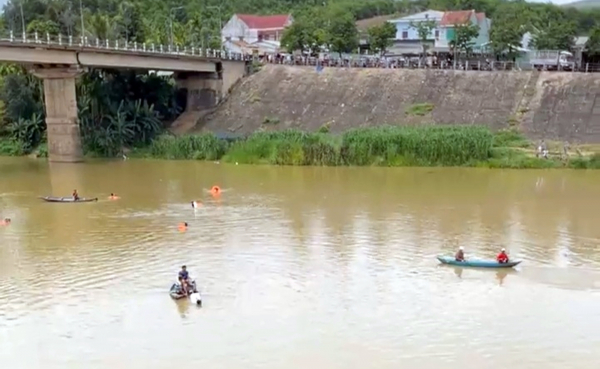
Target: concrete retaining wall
<point>543,105</point>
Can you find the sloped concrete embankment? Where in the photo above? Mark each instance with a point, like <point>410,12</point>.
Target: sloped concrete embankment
<point>543,105</point>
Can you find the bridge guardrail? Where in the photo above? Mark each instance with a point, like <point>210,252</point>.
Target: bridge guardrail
<point>120,45</point>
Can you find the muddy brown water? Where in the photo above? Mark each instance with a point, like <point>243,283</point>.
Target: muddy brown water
<point>298,267</point>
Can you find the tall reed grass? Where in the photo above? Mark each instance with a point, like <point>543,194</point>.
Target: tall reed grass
<point>387,145</point>
<point>381,146</point>
<point>197,147</point>
<point>289,147</point>
<point>423,146</point>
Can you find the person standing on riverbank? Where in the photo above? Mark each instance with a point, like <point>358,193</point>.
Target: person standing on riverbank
<point>542,150</point>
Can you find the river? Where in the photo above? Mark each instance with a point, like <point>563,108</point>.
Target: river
<point>299,267</point>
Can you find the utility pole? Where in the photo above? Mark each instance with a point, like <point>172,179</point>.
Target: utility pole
<point>22,20</point>
<point>82,25</point>
<point>171,23</point>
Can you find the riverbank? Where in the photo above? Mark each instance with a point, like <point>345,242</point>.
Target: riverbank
<point>541,105</point>
<point>394,146</point>
<point>13,147</point>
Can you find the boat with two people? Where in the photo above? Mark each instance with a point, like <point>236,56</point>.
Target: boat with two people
<point>501,261</point>
<point>185,287</point>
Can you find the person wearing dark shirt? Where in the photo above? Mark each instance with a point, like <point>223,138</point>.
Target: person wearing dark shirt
<point>75,195</point>
<point>184,279</point>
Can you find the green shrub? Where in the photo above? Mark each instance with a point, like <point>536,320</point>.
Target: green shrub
<point>197,147</point>
<point>11,147</point>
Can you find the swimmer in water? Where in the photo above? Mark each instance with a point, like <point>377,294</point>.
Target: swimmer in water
<point>215,190</point>
<point>196,204</point>
<point>5,222</point>
<point>113,196</point>
<point>182,226</point>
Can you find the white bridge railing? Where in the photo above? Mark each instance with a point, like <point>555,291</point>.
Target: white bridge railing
<point>120,45</point>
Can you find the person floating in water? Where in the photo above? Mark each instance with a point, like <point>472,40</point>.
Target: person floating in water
<point>196,204</point>
<point>113,196</point>
<point>215,191</point>
<point>184,279</point>
<point>182,226</point>
<point>460,254</point>
<point>75,195</point>
<point>502,257</point>
<point>5,222</point>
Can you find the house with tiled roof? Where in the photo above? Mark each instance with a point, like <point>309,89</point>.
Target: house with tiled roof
<point>407,39</point>
<point>250,29</point>
<point>454,19</point>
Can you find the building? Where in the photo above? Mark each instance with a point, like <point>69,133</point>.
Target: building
<point>255,28</point>
<point>259,47</point>
<point>363,26</point>
<point>451,20</point>
<point>407,37</point>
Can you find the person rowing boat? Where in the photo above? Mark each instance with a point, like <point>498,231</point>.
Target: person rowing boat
<point>184,280</point>
<point>460,254</point>
<point>502,257</point>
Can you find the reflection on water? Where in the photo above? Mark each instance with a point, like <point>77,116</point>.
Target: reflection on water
<point>298,267</point>
<point>499,274</point>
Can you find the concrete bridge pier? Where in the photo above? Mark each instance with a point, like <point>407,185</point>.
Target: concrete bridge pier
<point>64,139</point>
<point>204,92</point>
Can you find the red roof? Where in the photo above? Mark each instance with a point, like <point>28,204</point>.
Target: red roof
<point>480,16</point>
<point>457,17</point>
<point>263,22</point>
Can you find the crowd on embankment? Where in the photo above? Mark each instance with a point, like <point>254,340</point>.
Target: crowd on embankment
<point>431,62</point>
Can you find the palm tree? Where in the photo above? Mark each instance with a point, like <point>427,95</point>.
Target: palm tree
<point>100,26</point>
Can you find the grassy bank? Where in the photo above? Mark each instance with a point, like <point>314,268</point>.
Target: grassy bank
<point>467,146</point>
<point>470,146</point>
<point>12,147</point>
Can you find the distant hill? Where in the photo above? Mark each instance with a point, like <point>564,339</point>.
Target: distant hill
<point>583,4</point>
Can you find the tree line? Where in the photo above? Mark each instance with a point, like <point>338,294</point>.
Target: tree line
<point>552,27</point>
<point>319,23</point>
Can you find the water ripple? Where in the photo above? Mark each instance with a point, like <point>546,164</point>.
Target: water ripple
<point>335,277</point>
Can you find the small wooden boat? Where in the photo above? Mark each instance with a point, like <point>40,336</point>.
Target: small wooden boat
<point>177,293</point>
<point>477,263</point>
<point>67,199</point>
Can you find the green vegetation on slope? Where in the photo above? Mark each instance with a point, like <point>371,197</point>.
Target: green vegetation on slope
<point>393,146</point>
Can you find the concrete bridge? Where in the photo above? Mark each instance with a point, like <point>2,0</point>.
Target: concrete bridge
<point>208,75</point>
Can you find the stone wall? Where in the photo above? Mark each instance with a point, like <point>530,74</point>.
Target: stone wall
<point>543,105</point>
